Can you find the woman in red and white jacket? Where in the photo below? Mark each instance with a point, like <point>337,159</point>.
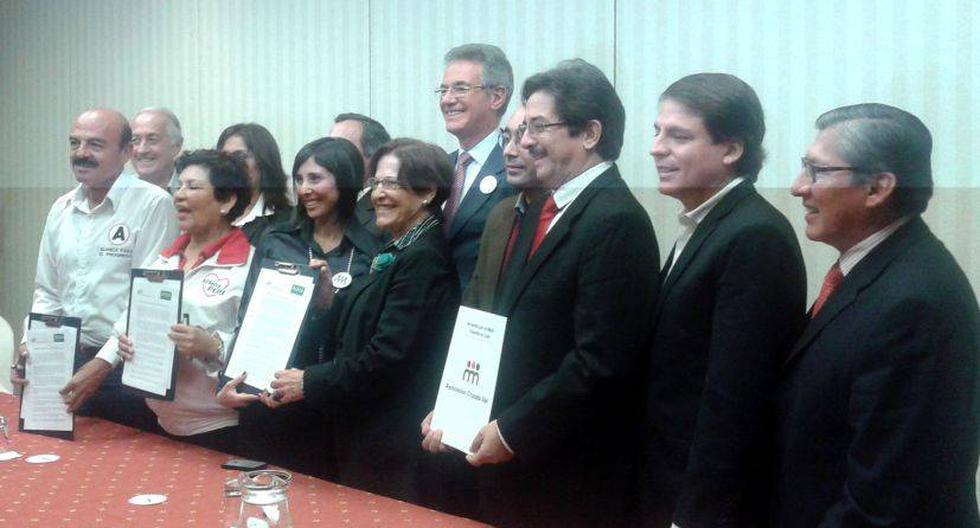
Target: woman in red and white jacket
<point>215,258</point>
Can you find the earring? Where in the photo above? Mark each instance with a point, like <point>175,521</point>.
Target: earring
<point>223,212</point>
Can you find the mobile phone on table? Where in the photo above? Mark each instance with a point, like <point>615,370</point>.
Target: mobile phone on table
<point>244,464</point>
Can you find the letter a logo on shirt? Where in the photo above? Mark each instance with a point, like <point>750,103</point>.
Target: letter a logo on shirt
<point>118,234</point>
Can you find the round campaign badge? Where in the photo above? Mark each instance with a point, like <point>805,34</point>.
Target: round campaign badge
<point>341,280</point>
<point>41,459</point>
<point>488,184</point>
<point>147,500</point>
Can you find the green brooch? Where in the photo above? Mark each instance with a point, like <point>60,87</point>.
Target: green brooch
<point>382,261</point>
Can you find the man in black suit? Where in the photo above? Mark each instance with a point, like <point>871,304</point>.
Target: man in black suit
<point>878,401</point>
<point>730,306</point>
<point>473,96</point>
<point>577,292</point>
<point>367,135</point>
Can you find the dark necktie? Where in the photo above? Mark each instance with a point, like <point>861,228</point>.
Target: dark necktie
<point>830,283</point>
<point>522,247</point>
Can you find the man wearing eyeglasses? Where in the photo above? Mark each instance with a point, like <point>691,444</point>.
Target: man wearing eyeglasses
<point>157,140</point>
<point>731,303</point>
<point>473,96</point>
<point>577,292</point>
<point>878,406</point>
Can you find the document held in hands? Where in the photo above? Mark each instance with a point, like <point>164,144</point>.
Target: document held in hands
<point>469,377</point>
<point>51,343</point>
<point>154,306</point>
<point>273,318</point>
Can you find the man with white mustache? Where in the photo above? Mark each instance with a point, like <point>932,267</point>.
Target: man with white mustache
<point>473,96</point>
<point>157,141</point>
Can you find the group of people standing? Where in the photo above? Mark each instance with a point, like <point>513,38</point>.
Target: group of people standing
<point>701,393</point>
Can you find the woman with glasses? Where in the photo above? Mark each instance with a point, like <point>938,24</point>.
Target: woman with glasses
<point>327,175</point>
<point>270,199</point>
<point>388,332</point>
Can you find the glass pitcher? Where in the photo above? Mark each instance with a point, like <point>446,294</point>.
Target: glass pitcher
<point>264,501</point>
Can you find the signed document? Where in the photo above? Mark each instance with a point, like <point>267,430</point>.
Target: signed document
<point>51,343</point>
<point>470,377</point>
<point>273,318</point>
<point>154,306</point>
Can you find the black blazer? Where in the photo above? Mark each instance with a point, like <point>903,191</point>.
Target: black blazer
<point>878,401</point>
<point>467,227</point>
<point>727,314</point>
<point>387,335</point>
<point>578,314</point>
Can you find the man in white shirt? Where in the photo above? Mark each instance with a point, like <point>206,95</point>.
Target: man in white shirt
<point>878,404</point>
<point>473,96</point>
<point>731,303</point>
<point>157,140</point>
<point>111,222</point>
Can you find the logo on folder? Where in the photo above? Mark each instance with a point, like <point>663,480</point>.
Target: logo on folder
<point>471,374</point>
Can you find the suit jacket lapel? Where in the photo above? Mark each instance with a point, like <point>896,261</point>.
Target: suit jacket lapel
<point>862,276</point>
<point>702,232</point>
<point>497,245</point>
<point>475,198</point>
<point>557,234</point>
<point>353,291</point>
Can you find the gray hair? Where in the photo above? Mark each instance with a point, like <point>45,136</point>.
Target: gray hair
<point>879,138</point>
<point>496,67</point>
<point>173,124</point>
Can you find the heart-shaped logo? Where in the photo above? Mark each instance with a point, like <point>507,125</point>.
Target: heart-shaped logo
<point>214,285</point>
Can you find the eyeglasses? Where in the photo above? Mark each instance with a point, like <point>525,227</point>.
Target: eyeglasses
<point>812,171</point>
<point>386,184</point>
<point>151,140</point>
<point>459,90</point>
<point>536,128</point>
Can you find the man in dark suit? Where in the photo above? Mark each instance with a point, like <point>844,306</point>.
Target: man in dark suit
<point>577,294</point>
<point>878,401</point>
<point>473,96</point>
<point>731,304</point>
<point>367,135</point>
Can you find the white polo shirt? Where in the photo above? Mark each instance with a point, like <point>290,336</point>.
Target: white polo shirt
<point>86,253</point>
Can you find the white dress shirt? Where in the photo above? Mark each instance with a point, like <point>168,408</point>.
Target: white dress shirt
<point>851,257</point>
<point>480,153</point>
<point>257,210</point>
<point>690,220</point>
<point>86,253</point>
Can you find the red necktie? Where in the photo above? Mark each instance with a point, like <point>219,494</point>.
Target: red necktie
<point>830,284</point>
<point>547,215</point>
<point>514,231</point>
<point>456,193</point>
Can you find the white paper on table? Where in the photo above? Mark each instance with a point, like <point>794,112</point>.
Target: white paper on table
<point>469,378</point>
<point>271,326</point>
<point>50,361</point>
<point>154,307</point>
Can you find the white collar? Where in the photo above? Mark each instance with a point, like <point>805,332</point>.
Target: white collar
<point>481,151</point>
<point>259,209</point>
<point>857,252</point>
<point>570,190</point>
<point>699,213</point>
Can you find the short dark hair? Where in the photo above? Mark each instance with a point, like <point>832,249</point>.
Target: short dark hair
<point>495,69</point>
<point>582,93</point>
<point>258,139</point>
<point>880,138</point>
<point>421,165</point>
<point>227,174</point>
<point>730,110</point>
<point>373,133</point>
<point>343,160</point>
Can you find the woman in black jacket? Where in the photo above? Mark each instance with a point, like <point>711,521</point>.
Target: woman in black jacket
<point>387,335</point>
<point>327,176</point>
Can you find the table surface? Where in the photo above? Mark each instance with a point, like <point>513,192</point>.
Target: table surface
<point>108,463</point>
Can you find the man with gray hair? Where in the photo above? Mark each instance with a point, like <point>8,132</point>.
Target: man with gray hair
<point>877,401</point>
<point>157,140</point>
<point>367,135</point>
<point>473,96</point>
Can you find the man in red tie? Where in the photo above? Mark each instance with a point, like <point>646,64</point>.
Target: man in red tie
<point>473,97</point>
<point>731,304</point>
<point>878,401</point>
<point>557,451</point>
